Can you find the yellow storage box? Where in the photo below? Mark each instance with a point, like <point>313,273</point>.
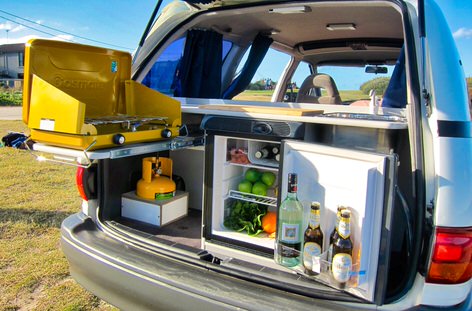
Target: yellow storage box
<point>82,97</point>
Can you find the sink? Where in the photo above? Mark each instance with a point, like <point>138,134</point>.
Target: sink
<point>363,116</point>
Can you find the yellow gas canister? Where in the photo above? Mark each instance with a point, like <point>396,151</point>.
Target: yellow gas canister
<point>156,182</point>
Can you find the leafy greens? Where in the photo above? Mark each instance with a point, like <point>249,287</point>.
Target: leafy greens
<point>245,216</point>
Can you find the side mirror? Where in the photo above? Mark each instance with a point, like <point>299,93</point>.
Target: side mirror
<point>376,69</point>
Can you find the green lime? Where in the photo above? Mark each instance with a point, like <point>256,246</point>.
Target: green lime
<point>245,186</point>
<point>259,188</point>
<point>268,178</point>
<point>252,175</point>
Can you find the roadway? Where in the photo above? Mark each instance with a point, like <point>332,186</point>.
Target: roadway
<point>10,113</point>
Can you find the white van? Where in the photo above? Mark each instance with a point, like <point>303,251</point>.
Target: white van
<point>399,159</point>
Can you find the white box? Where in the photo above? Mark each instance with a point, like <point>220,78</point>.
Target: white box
<point>155,212</point>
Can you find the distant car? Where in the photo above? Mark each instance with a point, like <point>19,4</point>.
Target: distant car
<point>404,161</point>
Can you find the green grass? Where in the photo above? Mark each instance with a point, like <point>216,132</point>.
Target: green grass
<point>265,95</point>
<point>34,199</point>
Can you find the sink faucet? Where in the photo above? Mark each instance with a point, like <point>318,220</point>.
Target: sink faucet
<point>374,103</point>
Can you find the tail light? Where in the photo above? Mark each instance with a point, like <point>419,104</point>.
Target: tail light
<point>452,255</point>
<point>79,179</point>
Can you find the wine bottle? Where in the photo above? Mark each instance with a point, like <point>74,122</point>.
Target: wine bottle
<point>263,153</point>
<point>342,251</point>
<point>289,229</point>
<point>313,239</point>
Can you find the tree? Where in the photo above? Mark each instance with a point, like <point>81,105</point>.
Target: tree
<point>377,84</point>
<point>260,85</point>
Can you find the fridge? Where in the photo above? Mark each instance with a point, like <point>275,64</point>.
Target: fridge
<point>363,181</point>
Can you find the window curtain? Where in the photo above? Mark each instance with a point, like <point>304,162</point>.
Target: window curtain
<point>259,48</point>
<point>395,94</point>
<point>199,72</point>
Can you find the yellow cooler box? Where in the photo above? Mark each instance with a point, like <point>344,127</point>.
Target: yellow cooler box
<point>82,97</point>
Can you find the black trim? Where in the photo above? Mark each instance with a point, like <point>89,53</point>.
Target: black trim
<point>353,43</point>
<point>89,180</point>
<point>421,19</point>
<point>381,282</point>
<point>459,129</point>
<point>150,23</point>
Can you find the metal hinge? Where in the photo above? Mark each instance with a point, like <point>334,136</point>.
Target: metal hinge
<point>427,101</point>
<point>429,208</point>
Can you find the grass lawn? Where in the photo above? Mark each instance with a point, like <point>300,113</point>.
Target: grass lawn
<point>265,95</point>
<point>34,199</point>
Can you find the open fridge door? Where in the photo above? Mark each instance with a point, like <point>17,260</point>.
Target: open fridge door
<point>362,181</point>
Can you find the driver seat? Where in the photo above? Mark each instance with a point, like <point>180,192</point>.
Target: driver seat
<point>306,93</point>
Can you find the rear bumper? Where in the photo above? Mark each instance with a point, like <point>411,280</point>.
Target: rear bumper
<point>133,278</point>
<point>130,277</point>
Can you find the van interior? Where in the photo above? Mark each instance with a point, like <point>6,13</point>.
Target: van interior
<point>369,36</point>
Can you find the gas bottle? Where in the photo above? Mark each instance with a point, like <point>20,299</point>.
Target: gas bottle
<point>156,182</point>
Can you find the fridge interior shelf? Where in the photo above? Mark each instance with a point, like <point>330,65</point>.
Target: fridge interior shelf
<point>265,168</point>
<point>323,272</point>
<point>249,197</point>
<point>254,146</point>
<point>262,239</point>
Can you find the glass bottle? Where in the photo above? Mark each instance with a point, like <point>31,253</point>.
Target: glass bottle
<point>342,251</point>
<point>263,153</point>
<point>313,239</point>
<point>289,227</point>
<point>334,234</point>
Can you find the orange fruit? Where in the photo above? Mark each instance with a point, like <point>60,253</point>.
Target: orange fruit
<point>269,222</point>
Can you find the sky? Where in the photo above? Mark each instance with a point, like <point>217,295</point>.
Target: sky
<point>119,24</point>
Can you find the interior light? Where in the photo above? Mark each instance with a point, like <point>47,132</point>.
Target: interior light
<point>343,26</point>
<point>291,10</point>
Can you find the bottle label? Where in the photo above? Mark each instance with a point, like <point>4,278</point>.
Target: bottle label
<point>310,250</point>
<point>290,233</point>
<point>341,267</point>
<point>344,228</point>
<point>314,219</point>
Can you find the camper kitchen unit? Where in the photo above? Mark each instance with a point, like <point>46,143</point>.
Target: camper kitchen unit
<point>195,198</point>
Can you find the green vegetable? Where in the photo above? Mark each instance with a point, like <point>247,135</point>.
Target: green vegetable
<point>245,216</point>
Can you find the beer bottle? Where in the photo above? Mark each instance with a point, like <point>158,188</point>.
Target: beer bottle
<point>313,239</point>
<point>288,240</point>
<point>334,233</point>
<point>342,251</point>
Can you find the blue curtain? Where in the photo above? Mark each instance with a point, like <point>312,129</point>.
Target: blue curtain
<point>395,94</point>
<point>259,48</point>
<point>199,71</point>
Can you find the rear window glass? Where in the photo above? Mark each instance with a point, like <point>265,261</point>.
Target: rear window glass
<point>266,77</point>
<point>354,83</point>
<point>162,74</point>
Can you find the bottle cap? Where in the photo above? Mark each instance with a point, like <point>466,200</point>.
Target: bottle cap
<point>292,182</point>
<point>315,205</point>
<point>345,213</point>
<point>292,178</point>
